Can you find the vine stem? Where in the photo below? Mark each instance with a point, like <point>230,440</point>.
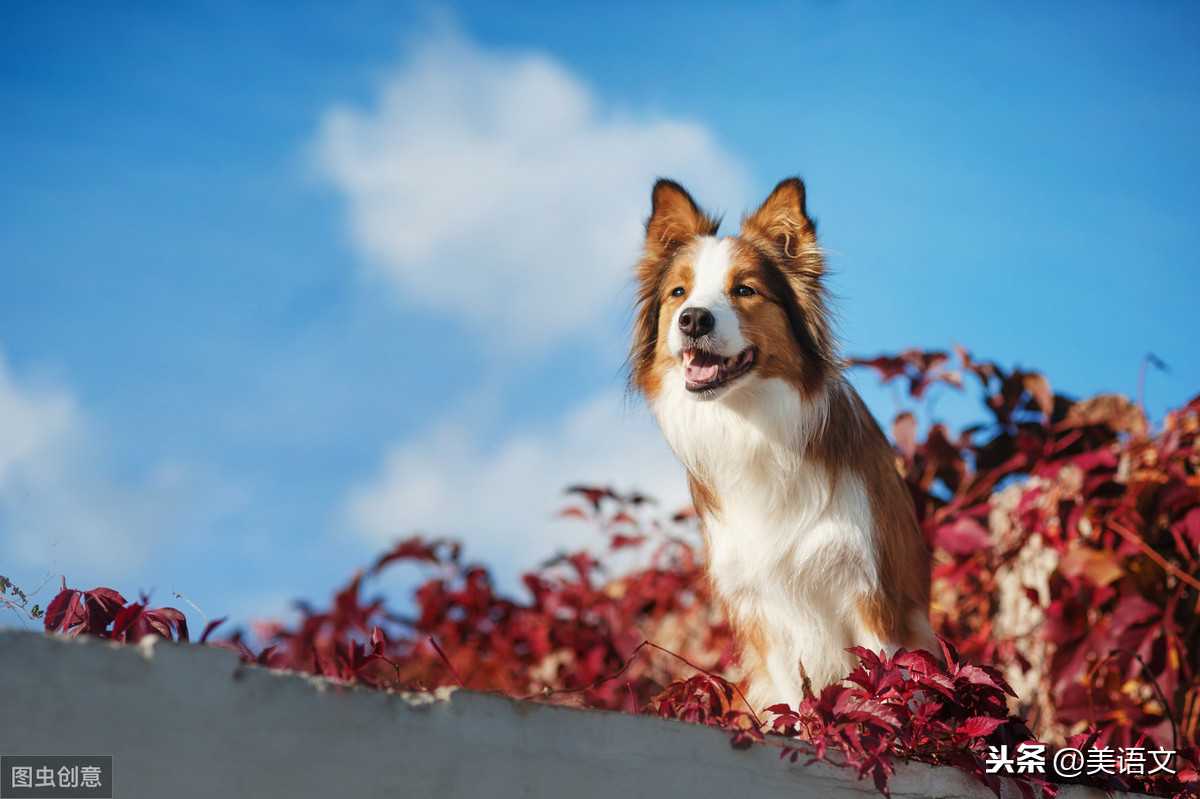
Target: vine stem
<point>628,661</point>
<point>1091,679</point>
<point>446,660</point>
<point>1137,541</point>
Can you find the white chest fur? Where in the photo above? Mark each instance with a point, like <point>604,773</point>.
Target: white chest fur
<point>790,550</point>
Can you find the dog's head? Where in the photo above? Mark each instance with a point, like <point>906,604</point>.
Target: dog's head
<point>717,313</point>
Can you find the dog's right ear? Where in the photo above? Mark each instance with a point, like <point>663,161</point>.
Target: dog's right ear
<point>674,218</point>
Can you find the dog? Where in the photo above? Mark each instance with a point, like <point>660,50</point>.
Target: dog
<point>810,534</point>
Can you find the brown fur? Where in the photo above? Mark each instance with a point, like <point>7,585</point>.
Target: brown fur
<point>904,559</point>
<point>675,221</point>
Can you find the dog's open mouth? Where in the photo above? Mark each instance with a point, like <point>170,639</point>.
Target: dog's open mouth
<point>705,371</point>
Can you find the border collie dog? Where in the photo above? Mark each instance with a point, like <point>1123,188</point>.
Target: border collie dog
<point>811,538</point>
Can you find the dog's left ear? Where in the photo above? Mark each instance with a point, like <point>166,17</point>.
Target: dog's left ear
<point>783,221</point>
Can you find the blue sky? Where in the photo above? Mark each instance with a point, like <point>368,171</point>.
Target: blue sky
<point>279,284</point>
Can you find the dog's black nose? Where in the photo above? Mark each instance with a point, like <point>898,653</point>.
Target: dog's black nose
<point>696,322</point>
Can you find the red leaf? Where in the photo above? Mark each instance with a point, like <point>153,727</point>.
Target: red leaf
<point>888,367</point>
<point>979,726</point>
<point>414,548</point>
<point>1190,527</point>
<point>623,541</point>
<point>65,612</point>
<point>212,625</point>
<point>874,711</point>
<point>904,433</point>
<point>1039,388</point>
<point>963,536</point>
<point>1132,610</point>
<point>125,627</point>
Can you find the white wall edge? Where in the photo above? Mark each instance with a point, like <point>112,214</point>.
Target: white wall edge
<point>192,721</point>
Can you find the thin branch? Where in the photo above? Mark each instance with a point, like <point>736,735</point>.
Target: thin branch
<point>1149,551</point>
<point>450,666</point>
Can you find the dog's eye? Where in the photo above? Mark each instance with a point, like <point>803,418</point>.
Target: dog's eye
<point>744,291</point>
<point>677,291</point>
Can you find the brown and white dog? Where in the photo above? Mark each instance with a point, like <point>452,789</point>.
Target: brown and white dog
<point>811,536</point>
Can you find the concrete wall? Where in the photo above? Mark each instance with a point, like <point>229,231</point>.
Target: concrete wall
<point>191,721</point>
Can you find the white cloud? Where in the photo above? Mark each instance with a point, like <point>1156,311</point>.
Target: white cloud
<point>496,188</point>
<point>32,423</point>
<point>503,502</point>
<point>60,508</point>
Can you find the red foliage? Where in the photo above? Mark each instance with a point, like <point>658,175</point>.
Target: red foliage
<point>105,613</point>
<point>910,706</point>
<point>1067,548</point>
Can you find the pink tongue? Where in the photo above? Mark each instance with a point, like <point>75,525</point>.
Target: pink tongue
<point>702,367</point>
